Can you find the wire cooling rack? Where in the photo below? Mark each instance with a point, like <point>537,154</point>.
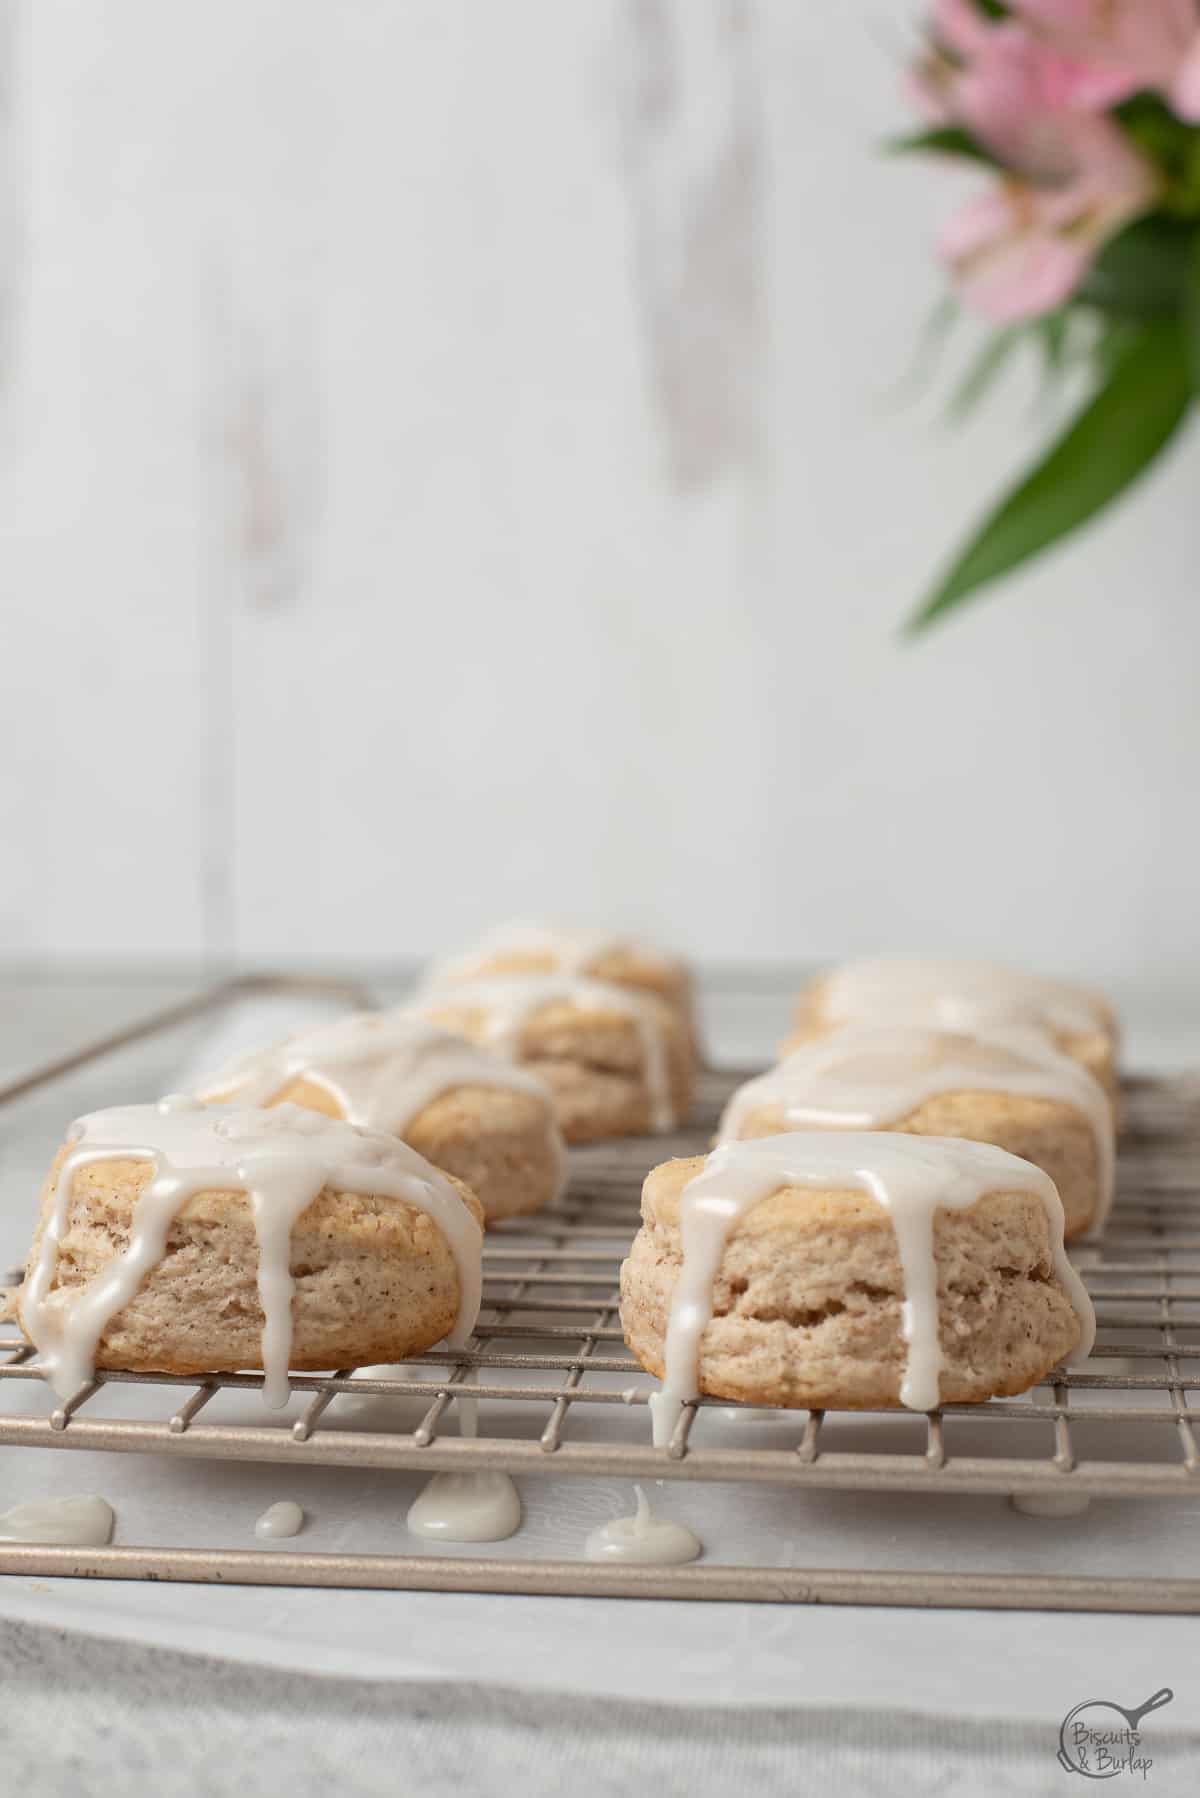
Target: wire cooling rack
<point>549,1344</point>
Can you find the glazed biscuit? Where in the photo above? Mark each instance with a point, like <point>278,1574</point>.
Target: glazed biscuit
<point>1011,1088</point>
<point>469,1112</point>
<point>814,1272</point>
<point>966,996</point>
<point>169,1257</point>
<point>598,955</point>
<point>617,1062</point>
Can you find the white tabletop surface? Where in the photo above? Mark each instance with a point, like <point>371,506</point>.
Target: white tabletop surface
<point>476,1691</point>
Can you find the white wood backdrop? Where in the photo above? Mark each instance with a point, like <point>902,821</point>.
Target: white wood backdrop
<point>451,466</point>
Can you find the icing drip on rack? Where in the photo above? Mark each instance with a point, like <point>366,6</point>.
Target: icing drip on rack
<point>467,1507</point>
<point>958,995</point>
<point>868,1078</point>
<point>82,1522</point>
<point>281,1159</point>
<point>507,1002</point>
<point>283,1519</point>
<point>912,1177</point>
<point>643,1538</point>
<point>381,1069</point>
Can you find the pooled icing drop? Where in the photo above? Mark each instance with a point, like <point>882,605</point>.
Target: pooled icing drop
<point>283,1519</point>
<point>643,1538</point>
<point>1051,1504</point>
<point>82,1522</point>
<point>864,1078</point>
<point>281,1159</point>
<point>466,1507</point>
<point>958,995</point>
<point>912,1177</point>
<point>508,1001</point>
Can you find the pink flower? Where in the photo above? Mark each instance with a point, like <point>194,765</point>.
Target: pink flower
<point>1009,258</point>
<point>1126,45</point>
<point>1021,249</point>
<point>1032,90</point>
<point>1009,88</point>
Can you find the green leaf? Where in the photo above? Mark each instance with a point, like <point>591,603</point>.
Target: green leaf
<point>1171,144</point>
<point>1054,333</point>
<point>1190,314</point>
<point>932,339</point>
<point>1116,337</point>
<point>982,371</point>
<point>942,140</point>
<point>1065,340</point>
<point>1141,272</point>
<point>1112,441</point>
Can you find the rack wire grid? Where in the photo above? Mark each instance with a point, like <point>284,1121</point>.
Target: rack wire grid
<point>549,1337</point>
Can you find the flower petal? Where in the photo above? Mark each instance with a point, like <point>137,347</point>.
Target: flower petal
<point>1184,91</point>
<point>1023,276</point>
<point>960,26</point>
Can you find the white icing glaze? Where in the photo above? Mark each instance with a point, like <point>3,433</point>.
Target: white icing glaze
<point>508,1001</point>
<point>281,1159</point>
<point>912,1177</point>
<point>643,1538</point>
<point>283,1519</point>
<point>864,1078</point>
<point>381,1069</point>
<point>569,949</point>
<point>957,995</point>
<point>466,1507</point>
<point>82,1522</point>
<point>1050,1504</point>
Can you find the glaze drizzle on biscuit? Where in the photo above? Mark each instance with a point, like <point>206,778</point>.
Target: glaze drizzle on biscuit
<point>955,994</point>
<point>381,1069</point>
<point>867,1078</point>
<point>912,1177</point>
<point>565,948</point>
<point>281,1159</point>
<point>507,1002</point>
